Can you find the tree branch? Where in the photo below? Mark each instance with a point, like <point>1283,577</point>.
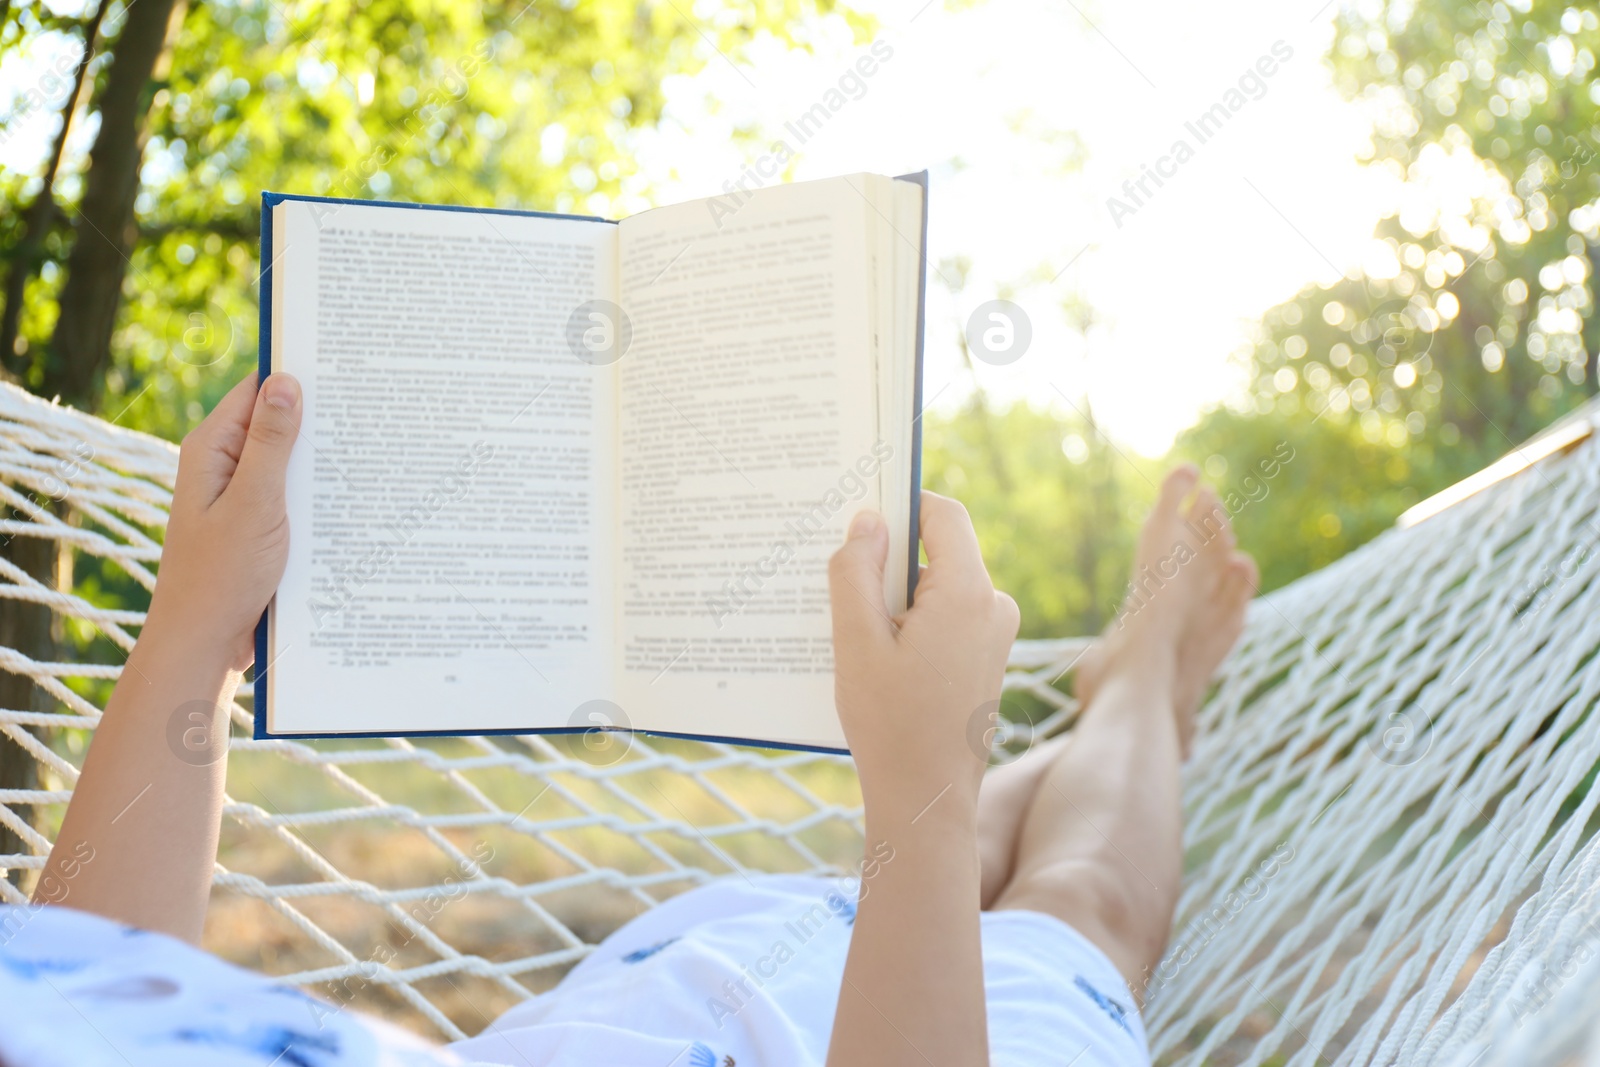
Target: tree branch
<point>41,213</point>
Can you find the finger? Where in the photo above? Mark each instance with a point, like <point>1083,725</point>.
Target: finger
<point>274,426</point>
<point>855,584</point>
<point>922,576</point>
<point>211,450</point>
<point>1008,615</point>
<point>951,542</point>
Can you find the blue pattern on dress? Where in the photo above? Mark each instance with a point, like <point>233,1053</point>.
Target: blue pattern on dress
<point>279,990</point>
<point>639,955</point>
<point>279,1044</point>
<point>33,970</point>
<point>1118,1013</point>
<point>701,1056</point>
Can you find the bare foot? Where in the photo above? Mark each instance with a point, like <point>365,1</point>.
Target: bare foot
<point>1187,603</point>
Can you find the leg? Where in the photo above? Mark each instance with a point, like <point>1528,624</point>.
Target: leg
<point>1101,844</point>
<point>1002,804</point>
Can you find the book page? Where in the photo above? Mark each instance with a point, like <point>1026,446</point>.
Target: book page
<point>748,423</point>
<point>451,497</point>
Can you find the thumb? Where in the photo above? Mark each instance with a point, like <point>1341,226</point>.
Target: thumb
<point>274,426</point>
<point>855,582</point>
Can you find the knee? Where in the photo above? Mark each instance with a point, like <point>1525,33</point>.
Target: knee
<point>1120,911</point>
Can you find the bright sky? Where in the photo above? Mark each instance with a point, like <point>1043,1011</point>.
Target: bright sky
<point>1030,118</point>
<point>994,100</point>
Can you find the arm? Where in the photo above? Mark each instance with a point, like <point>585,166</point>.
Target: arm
<point>139,841</point>
<point>907,691</point>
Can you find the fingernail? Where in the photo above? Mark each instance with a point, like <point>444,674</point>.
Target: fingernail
<point>281,391</point>
<point>864,524</point>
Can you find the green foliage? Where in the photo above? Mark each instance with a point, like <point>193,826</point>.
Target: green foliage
<point>1474,326</point>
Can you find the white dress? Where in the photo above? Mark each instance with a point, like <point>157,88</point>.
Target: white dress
<point>737,973</point>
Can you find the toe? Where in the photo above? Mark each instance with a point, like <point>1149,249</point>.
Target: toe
<point>1248,574</point>
<point>1176,487</point>
<point>1208,520</point>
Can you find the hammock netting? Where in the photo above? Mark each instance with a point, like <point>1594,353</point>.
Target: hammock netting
<point>1390,833</point>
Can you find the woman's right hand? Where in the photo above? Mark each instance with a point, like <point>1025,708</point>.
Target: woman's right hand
<point>228,535</point>
<point>909,690</point>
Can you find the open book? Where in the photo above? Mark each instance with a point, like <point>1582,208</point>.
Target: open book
<point>560,473</point>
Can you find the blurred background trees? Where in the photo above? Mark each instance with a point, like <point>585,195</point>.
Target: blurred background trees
<point>1471,328</point>
<point>1466,332</point>
<point>129,245</point>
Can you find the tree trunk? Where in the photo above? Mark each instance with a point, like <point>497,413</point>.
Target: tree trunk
<point>105,230</point>
<point>27,628</point>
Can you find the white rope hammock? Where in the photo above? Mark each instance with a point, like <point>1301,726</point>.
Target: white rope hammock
<point>1390,851</point>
